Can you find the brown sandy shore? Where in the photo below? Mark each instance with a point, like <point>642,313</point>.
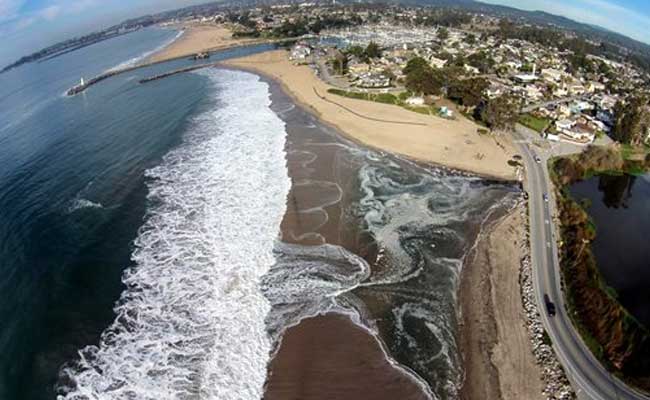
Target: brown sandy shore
<point>451,143</point>
<point>198,38</point>
<point>497,356</point>
<point>498,360</point>
<point>328,356</point>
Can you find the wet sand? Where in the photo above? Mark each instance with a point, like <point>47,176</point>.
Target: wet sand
<point>498,358</point>
<point>329,357</point>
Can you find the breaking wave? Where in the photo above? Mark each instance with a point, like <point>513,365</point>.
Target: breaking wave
<point>191,323</point>
<point>80,204</point>
<point>133,61</point>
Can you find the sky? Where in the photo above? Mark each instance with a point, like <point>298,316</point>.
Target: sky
<point>29,25</point>
<point>629,17</point>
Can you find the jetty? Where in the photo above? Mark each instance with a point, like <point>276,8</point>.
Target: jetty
<point>196,56</point>
<point>83,85</point>
<point>178,71</point>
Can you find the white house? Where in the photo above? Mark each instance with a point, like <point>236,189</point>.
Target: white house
<point>415,101</point>
<point>564,124</point>
<point>300,52</point>
<point>437,62</point>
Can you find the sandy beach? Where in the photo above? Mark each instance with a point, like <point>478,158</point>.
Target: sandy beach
<point>198,38</point>
<point>499,363</point>
<point>452,143</point>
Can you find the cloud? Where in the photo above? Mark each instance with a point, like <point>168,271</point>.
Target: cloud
<point>9,9</point>
<point>24,23</point>
<point>51,12</point>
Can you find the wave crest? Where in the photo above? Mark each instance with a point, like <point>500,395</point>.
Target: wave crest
<point>191,321</point>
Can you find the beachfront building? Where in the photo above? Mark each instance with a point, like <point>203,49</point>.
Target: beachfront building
<point>300,52</point>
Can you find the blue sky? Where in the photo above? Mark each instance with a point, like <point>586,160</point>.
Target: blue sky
<point>629,17</point>
<point>26,26</point>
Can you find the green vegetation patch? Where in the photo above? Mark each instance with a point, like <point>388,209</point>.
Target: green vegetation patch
<point>534,123</point>
<point>387,98</point>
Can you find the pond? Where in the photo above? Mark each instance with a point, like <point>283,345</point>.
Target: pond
<point>620,208</point>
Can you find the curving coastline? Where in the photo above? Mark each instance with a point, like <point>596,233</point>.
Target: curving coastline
<point>455,144</point>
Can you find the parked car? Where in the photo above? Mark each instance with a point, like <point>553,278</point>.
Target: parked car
<point>545,197</point>
<point>538,160</point>
<point>550,307</point>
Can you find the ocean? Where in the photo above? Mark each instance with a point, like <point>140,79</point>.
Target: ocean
<point>78,178</point>
<point>159,241</point>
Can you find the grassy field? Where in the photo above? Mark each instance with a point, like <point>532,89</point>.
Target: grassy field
<point>387,98</point>
<point>534,123</point>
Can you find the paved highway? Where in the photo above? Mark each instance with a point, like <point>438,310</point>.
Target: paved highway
<point>589,379</point>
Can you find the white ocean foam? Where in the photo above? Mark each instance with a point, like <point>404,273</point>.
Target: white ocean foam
<point>80,204</point>
<point>133,61</point>
<point>191,323</point>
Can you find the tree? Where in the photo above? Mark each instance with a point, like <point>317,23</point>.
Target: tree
<point>373,50</point>
<point>415,63</point>
<point>340,63</point>
<point>358,52</point>
<point>467,92</point>
<point>482,61</point>
<point>421,78</point>
<point>443,34</point>
<point>632,120</point>
<point>427,82</point>
<point>470,39</point>
<point>501,112</point>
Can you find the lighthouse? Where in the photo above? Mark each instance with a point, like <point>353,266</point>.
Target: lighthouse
<point>82,83</point>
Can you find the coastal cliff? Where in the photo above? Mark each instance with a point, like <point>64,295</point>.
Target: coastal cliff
<point>611,332</point>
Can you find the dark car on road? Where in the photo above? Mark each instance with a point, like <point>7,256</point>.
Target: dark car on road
<point>550,307</point>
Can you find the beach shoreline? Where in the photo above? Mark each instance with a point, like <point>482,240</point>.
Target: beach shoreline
<point>492,370</point>
<point>497,354</point>
<point>452,145</point>
<point>330,354</point>
<point>197,38</point>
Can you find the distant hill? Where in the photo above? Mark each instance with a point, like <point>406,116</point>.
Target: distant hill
<point>619,44</point>
<point>541,18</point>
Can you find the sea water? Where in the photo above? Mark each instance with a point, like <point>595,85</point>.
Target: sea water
<point>92,186</point>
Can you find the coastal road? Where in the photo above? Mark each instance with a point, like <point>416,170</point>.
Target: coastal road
<point>589,379</point>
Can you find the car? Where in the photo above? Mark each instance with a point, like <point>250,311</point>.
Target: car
<point>550,307</point>
<point>538,160</point>
<point>545,197</point>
